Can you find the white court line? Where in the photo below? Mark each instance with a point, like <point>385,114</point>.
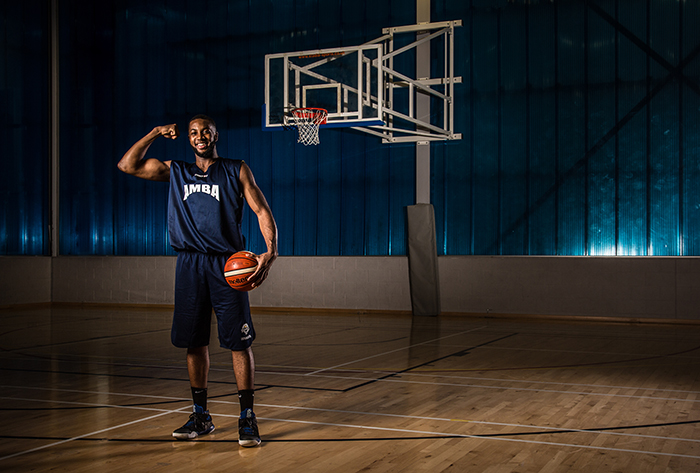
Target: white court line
<point>24,452</point>
<point>394,351</point>
<point>554,391</point>
<point>501,380</point>
<point>480,422</point>
<point>466,436</point>
<point>355,426</point>
<point>316,409</point>
<point>479,437</point>
<point>276,406</point>
<point>587,352</point>
<point>79,391</point>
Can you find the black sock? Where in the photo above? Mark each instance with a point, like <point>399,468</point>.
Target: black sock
<point>245,397</point>
<point>199,396</point>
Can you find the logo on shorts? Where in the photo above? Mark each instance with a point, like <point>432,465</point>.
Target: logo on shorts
<point>245,330</point>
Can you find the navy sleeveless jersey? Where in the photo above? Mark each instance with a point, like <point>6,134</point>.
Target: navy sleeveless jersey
<point>205,208</point>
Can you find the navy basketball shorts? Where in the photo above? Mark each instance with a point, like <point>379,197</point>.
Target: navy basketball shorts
<point>200,286</point>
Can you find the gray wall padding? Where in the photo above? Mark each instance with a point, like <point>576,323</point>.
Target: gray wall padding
<point>422,260</point>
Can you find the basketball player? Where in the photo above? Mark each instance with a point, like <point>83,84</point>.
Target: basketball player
<point>204,216</point>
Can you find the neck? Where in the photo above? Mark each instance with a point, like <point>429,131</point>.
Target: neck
<point>204,163</point>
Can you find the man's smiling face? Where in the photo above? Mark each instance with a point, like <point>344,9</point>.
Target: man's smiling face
<point>203,137</point>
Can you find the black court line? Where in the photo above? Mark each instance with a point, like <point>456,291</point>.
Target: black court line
<point>163,378</point>
<point>114,406</point>
<point>20,350</point>
<point>316,345</point>
<point>579,365</point>
<point>259,387</point>
<point>364,439</point>
<point>290,341</point>
<point>462,352</point>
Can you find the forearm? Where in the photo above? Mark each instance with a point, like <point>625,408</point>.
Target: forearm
<point>133,160</point>
<point>268,228</point>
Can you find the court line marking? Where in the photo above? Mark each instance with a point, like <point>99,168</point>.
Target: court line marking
<point>407,373</point>
<point>607,386</point>
<point>80,391</point>
<point>502,439</point>
<point>78,437</point>
<point>276,406</point>
<point>411,373</point>
<point>553,391</point>
<point>79,358</point>
<point>480,422</point>
<point>352,426</point>
<point>478,437</point>
<point>394,351</point>
<point>585,352</point>
<point>505,388</point>
<point>498,380</point>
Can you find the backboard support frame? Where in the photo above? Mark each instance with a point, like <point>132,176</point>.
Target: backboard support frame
<point>300,79</point>
<point>373,88</point>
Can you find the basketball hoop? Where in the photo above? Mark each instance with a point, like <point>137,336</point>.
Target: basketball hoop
<point>307,121</point>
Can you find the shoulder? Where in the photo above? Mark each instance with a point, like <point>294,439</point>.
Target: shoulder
<point>233,166</point>
<point>246,175</point>
<point>178,169</point>
<point>232,163</point>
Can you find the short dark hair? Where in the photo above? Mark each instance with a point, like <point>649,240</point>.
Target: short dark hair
<point>201,116</point>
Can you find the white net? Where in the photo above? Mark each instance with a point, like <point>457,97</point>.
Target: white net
<point>307,121</point>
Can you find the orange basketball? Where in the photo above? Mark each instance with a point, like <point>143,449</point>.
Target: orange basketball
<point>237,269</point>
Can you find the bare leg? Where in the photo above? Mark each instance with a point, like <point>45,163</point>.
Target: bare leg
<point>244,368</point>
<point>198,369</point>
<point>198,366</point>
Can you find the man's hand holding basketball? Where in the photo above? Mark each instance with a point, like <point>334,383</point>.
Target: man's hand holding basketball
<point>265,261</point>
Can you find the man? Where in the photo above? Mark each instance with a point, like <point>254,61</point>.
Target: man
<point>204,216</point>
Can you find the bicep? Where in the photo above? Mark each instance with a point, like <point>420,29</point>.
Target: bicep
<point>154,170</point>
<point>252,193</point>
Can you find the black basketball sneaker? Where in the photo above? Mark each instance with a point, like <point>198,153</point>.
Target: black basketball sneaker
<point>248,435</point>
<point>199,424</point>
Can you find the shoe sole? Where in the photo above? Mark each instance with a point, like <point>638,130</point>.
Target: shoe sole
<point>249,443</point>
<point>192,435</point>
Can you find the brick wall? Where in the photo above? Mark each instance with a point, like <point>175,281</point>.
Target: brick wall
<point>626,287</point>
<point>24,280</point>
<point>367,283</point>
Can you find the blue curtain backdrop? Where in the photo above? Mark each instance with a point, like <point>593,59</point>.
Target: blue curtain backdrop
<point>24,128</point>
<point>578,119</point>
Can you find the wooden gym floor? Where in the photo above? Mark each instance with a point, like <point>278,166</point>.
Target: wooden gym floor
<point>100,390</point>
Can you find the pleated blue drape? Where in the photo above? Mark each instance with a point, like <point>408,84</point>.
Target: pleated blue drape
<point>578,120</point>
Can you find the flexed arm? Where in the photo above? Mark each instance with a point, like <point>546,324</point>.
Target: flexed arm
<point>133,162</point>
<point>268,227</point>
